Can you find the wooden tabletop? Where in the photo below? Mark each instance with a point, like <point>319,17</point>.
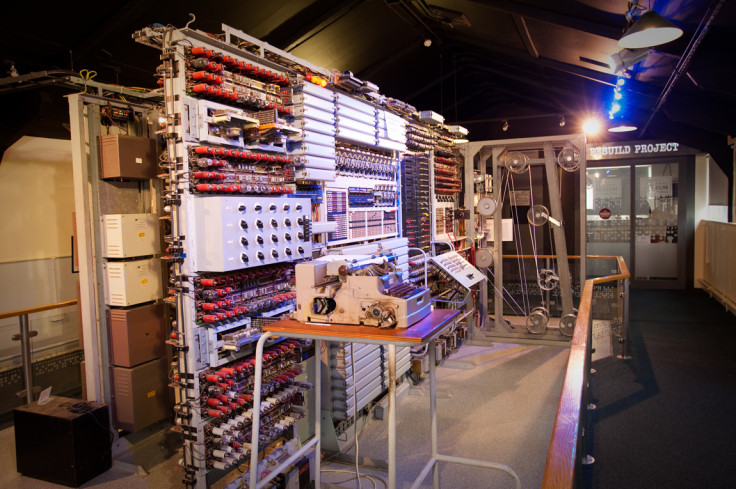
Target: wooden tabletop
<point>423,331</point>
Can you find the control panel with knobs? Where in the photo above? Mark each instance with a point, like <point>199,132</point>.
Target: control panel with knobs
<point>244,231</point>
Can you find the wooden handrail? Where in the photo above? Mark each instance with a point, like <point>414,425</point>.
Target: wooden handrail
<point>559,472</point>
<point>31,310</point>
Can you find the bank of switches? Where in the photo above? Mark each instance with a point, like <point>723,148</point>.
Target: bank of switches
<point>226,404</point>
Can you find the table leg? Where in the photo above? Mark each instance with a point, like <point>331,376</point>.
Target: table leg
<point>318,409</point>
<point>433,411</point>
<point>391,416</point>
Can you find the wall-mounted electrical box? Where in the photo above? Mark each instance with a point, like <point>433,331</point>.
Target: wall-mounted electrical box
<point>127,157</point>
<point>132,282</point>
<point>141,394</point>
<point>129,235</point>
<point>137,335</point>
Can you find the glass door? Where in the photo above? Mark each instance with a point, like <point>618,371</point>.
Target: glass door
<point>656,225</point>
<point>638,209</point>
<point>608,216</point>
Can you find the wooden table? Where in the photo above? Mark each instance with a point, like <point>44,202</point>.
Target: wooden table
<point>423,332</point>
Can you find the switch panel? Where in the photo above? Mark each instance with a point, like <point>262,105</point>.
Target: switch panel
<point>238,232</point>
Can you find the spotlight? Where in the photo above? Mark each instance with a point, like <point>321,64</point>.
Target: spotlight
<point>427,42</point>
<point>562,121</point>
<point>626,58</point>
<point>505,126</point>
<point>650,30</point>
<point>592,126</point>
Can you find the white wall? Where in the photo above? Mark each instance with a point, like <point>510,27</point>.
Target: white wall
<point>36,205</point>
<point>710,182</point>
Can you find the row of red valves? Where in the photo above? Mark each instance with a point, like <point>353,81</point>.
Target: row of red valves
<point>208,60</point>
<point>245,155</point>
<point>237,96</point>
<point>243,189</point>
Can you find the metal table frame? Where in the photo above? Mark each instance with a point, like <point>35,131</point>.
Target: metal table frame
<point>425,331</point>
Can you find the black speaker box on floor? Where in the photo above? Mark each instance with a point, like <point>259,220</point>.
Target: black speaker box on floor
<point>66,441</point>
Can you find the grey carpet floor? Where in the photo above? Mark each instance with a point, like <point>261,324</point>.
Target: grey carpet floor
<point>494,403</point>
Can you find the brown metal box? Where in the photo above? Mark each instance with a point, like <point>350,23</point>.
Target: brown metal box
<point>141,394</point>
<point>137,335</point>
<point>127,157</point>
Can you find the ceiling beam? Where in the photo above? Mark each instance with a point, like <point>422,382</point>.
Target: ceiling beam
<point>526,38</point>
<point>516,58</point>
<point>609,30</point>
<point>308,22</point>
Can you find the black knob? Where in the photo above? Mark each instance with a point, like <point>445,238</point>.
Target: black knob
<point>299,221</point>
<point>241,207</point>
<point>287,251</point>
<point>274,238</point>
<point>243,224</point>
<point>287,236</point>
<point>300,249</point>
<point>298,207</point>
<point>244,241</point>
<point>259,223</point>
<point>272,207</point>
<point>300,235</point>
<point>257,207</point>
<point>244,258</point>
<point>259,239</point>
<point>274,224</point>
<point>287,207</point>
<point>287,222</point>
<point>260,255</point>
<point>275,253</point>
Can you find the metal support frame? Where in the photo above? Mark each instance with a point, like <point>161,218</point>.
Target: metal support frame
<point>315,444</point>
<point>558,232</point>
<point>496,149</point>
<point>433,463</point>
<point>86,208</point>
<point>625,321</point>
<point>84,110</point>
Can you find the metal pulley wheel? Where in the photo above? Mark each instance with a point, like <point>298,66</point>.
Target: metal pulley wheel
<point>486,206</point>
<point>547,279</point>
<point>537,215</point>
<point>516,162</point>
<point>569,159</point>
<point>537,320</point>
<point>483,258</point>
<point>567,323</point>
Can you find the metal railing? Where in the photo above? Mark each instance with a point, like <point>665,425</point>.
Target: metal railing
<point>24,336</point>
<point>567,448</point>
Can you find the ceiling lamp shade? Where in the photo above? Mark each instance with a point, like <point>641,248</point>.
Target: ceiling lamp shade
<point>650,30</point>
<point>623,127</point>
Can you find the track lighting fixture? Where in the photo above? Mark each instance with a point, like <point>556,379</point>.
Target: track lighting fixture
<point>562,121</point>
<point>505,126</point>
